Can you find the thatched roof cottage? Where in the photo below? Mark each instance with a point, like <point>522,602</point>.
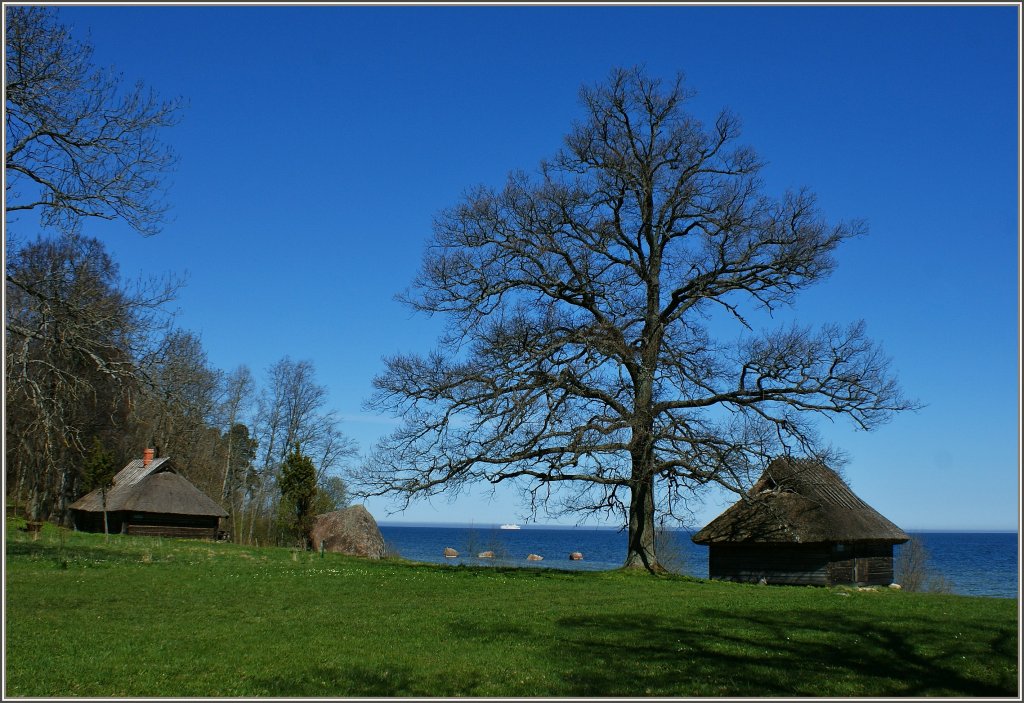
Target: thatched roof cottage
<point>801,524</point>
<point>149,497</point>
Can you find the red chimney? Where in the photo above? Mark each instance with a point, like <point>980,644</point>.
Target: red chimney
<point>147,457</point>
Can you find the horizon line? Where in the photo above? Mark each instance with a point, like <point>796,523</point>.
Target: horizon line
<point>528,526</point>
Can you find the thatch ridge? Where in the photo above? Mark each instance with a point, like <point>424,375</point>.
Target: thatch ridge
<point>800,501</point>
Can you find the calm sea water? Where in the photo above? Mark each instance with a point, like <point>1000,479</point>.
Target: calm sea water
<point>974,563</point>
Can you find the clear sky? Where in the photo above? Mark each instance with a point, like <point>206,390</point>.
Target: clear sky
<point>319,142</point>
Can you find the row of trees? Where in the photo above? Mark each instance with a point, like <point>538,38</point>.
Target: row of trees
<point>95,368</point>
<point>92,362</point>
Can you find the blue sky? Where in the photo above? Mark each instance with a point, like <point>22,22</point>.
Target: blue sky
<point>319,142</point>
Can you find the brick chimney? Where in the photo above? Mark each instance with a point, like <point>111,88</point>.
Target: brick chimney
<point>147,457</point>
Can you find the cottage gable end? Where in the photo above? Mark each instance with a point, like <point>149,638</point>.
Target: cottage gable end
<point>801,524</point>
<point>799,501</point>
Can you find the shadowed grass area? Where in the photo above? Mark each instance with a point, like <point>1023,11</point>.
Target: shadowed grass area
<point>158,617</point>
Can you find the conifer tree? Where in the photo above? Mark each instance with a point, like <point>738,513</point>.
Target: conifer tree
<point>298,491</point>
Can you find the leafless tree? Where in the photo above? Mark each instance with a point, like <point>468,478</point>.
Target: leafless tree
<point>238,394</point>
<point>579,359</point>
<point>292,412</point>
<point>79,143</point>
<point>176,411</point>
<point>74,331</point>
<point>914,570</point>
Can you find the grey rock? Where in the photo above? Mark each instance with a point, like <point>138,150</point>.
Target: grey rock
<point>349,531</point>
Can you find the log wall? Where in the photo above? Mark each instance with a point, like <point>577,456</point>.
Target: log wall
<point>862,563</point>
<point>786,564</point>
<point>802,564</point>
<point>150,524</point>
<point>171,531</point>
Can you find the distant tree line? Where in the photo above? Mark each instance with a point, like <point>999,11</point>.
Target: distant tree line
<point>95,368</point>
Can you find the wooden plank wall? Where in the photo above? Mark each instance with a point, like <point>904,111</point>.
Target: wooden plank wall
<point>802,564</point>
<point>785,564</point>
<point>150,524</point>
<point>864,563</point>
<point>172,531</point>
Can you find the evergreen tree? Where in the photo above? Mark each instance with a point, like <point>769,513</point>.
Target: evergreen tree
<point>298,490</point>
<point>98,472</point>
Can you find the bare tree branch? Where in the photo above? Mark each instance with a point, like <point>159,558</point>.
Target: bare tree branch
<point>79,143</point>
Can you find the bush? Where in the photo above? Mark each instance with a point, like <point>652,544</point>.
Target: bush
<point>670,550</point>
<point>914,570</point>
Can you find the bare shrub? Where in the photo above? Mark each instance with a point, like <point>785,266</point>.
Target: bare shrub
<point>670,550</point>
<point>915,572</point>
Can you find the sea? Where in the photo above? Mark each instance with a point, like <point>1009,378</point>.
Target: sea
<point>973,563</point>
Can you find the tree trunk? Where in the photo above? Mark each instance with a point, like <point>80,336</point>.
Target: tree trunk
<point>40,498</point>
<point>640,553</point>
<point>103,498</point>
<point>224,489</point>
<point>257,506</point>
<point>65,497</point>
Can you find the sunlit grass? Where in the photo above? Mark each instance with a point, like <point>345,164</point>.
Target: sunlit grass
<point>159,617</point>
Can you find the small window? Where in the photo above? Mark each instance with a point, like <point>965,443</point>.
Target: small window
<point>840,547</point>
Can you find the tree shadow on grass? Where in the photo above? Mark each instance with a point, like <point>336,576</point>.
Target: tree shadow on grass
<point>366,680</point>
<point>792,653</point>
<point>49,551</point>
<point>355,681</point>
<point>706,652</point>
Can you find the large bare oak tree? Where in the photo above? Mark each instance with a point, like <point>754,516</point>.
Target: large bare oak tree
<point>579,358</point>
<point>79,146</point>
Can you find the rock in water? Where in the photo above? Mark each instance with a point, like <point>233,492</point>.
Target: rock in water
<point>576,556</point>
<point>349,531</point>
<point>534,557</point>
<point>485,555</point>
<point>450,553</point>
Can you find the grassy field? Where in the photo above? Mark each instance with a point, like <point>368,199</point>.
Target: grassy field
<point>158,617</point>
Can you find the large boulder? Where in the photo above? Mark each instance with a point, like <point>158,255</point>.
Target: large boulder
<point>349,531</point>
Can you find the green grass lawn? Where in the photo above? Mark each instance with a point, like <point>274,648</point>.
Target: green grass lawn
<point>158,617</point>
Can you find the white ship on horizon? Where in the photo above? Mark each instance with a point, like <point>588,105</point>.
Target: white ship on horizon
<point>510,526</point>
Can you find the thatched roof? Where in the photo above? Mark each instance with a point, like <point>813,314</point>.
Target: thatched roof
<point>155,488</point>
<point>800,501</point>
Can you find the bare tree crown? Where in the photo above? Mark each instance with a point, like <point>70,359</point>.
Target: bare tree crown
<point>79,144</point>
<point>577,351</point>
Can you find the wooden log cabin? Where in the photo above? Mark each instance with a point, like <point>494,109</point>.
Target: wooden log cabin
<point>801,525</point>
<point>150,497</point>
